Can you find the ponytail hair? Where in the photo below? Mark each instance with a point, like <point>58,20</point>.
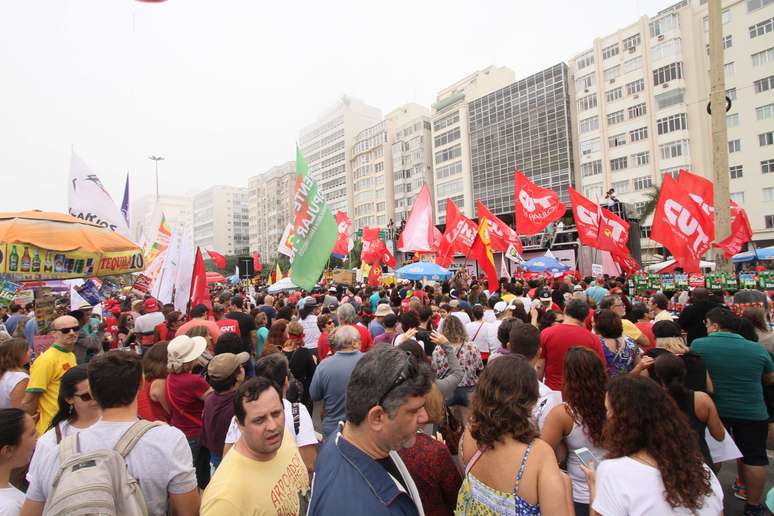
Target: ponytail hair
<point>670,371</point>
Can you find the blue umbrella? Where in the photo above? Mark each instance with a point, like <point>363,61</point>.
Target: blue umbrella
<point>766,253</point>
<point>544,264</point>
<point>423,270</point>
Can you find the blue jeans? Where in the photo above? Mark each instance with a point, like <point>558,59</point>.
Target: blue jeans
<point>201,462</point>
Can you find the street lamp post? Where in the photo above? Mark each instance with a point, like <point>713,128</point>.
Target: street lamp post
<point>156,160</point>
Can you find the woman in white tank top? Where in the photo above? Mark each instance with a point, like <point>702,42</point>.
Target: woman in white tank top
<point>14,353</point>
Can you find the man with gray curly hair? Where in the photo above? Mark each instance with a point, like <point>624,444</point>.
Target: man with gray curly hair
<point>347,315</point>
<point>330,379</point>
<point>385,406</point>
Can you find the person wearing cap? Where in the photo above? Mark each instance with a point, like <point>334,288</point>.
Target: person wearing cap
<point>111,325</point>
<point>307,315</point>
<point>225,325</point>
<point>185,394</point>
<point>330,298</point>
<point>199,315</point>
<point>376,326</point>
<point>225,373</point>
<point>146,323</point>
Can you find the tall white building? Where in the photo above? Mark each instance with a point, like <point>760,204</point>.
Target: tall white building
<point>641,98</point>
<point>412,160</point>
<point>146,211</point>
<point>270,208</point>
<point>451,144</point>
<point>327,145</point>
<point>220,220</point>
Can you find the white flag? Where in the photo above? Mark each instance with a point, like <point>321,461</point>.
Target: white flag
<point>504,268</point>
<point>164,285</point>
<point>284,246</point>
<point>88,199</point>
<point>184,271</point>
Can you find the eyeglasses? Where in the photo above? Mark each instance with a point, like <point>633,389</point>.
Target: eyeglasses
<point>399,379</point>
<point>68,330</point>
<point>84,396</point>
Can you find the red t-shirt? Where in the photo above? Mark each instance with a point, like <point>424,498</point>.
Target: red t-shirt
<point>647,329</point>
<point>228,326</point>
<point>111,326</point>
<point>323,347</point>
<point>185,406</point>
<point>554,343</point>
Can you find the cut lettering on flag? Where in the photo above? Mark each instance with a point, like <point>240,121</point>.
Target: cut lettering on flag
<point>418,233</point>
<point>343,242</point>
<point>88,199</point>
<point>219,259</point>
<point>598,227</point>
<point>679,225</point>
<point>458,237</point>
<point>535,207</point>
<point>501,235</point>
<point>482,252</point>
<point>314,228</point>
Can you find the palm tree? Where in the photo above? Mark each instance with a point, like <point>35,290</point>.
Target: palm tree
<point>652,201</point>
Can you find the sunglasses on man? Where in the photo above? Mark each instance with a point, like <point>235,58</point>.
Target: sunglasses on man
<point>70,329</point>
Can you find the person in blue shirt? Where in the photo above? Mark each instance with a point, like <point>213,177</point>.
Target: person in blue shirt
<point>358,470</point>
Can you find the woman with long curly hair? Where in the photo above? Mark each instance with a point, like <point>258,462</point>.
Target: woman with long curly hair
<point>278,334</point>
<point>508,470</point>
<point>578,422</point>
<point>653,464</point>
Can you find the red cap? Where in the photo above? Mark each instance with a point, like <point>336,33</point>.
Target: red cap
<point>151,305</point>
<point>116,310</point>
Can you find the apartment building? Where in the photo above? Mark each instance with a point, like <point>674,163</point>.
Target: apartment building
<point>270,208</point>
<point>220,220</point>
<point>146,212</point>
<point>412,160</point>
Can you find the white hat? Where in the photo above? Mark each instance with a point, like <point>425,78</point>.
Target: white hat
<point>183,349</point>
<point>500,307</point>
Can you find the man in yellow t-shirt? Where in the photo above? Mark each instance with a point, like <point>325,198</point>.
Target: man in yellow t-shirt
<point>43,388</point>
<point>264,452</point>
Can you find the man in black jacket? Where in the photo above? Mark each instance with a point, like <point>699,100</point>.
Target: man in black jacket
<point>691,319</point>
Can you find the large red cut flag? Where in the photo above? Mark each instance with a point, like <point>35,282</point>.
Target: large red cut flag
<point>200,294</point>
<point>535,207</point>
<point>613,233</point>
<point>219,259</point>
<point>375,276</point>
<point>257,265</point>
<point>417,235</point>
<point>586,218</point>
<point>501,235</point>
<point>342,243</point>
<point>627,263</point>
<point>741,232</point>
<point>677,224</point>
<point>458,237</point>
<point>482,253</point>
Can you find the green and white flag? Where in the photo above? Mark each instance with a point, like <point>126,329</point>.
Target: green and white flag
<point>314,229</point>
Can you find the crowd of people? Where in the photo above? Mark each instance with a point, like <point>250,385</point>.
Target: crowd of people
<point>553,396</point>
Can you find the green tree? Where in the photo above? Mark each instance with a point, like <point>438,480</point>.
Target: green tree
<point>652,201</point>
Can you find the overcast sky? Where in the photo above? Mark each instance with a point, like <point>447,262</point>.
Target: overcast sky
<point>220,88</point>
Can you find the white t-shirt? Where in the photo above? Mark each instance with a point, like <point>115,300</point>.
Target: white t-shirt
<point>628,487</point>
<point>484,335</point>
<point>148,322</point>
<point>161,461</point>
<point>547,400</point>
<point>46,443</point>
<point>305,437</point>
<point>311,331</point>
<point>8,381</point>
<point>11,501</point>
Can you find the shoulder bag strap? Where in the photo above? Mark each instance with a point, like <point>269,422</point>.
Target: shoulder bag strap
<point>478,330</point>
<point>133,435</point>
<point>58,432</point>
<point>296,417</point>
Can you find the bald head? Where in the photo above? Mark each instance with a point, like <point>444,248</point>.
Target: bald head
<point>65,329</point>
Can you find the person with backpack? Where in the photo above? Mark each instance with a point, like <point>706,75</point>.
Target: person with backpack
<point>119,465</point>
<point>17,442</point>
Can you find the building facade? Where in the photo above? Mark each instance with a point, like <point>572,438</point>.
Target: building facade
<point>524,126</point>
<point>220,220</point>
<point>451,142</point>
<point>327,145</point>
<point>270,208</point>
<point>641,98</point>
<point>146,213</point>
<point>412,158</point>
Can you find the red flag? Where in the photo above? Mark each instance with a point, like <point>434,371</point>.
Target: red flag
<point>257,265</point>
<point>437,236</point>
<point>741,232</point>
<point>586,218</point>
<point>375,276</point>
<point>200,294</point>
<point>219,259</point>
<point>613,233</point>
<point>678,225</point>
<point>417,235</point>
<point>627,263</point>
<point>482,252</point>
<point>372,251</point>
<point>501,235</point>
<point>342,244</point>
<point>458,237</point>
<point>535,207</point>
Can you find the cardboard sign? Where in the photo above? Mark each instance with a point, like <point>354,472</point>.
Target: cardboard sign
<point>696,280</point>
<point>766,279</point>
<point>597,270</point>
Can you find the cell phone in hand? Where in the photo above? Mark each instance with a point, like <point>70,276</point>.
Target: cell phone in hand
<point>585,456</point>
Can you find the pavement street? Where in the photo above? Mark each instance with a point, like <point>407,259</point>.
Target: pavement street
<point>734,507</point>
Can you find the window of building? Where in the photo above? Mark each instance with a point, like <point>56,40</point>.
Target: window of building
<point>447,137</point>
<point>591,168</point>
<point>589,124</point>
<point>645,231</point>
<point>669,98</point>
<point>764,112</point>
<point>729,70</point>
<point>641,159</point>
<point>732,120</point>
<point>664,24</point>
<point>767,166</point>
<point>675,171</point>
<point>738,197</point>
<point>636,111</point>
<point>589,146</point>
<point>754,5</point>
<point>585,60</point>
<point>612,72</point>
<point>642,183</point>
<point>614,94</point>
<point>764,27</point>
<point>731,93</point>
<point>617,140</point>
<point>448,189</point>
<point>615,118</point>
<point>734,146</point>
<point>593,192</point>
<point>618,164</point>
<point>768,195</point>
<point>667,73</point>
<point>672,123</point>
<point>631,65</point>
<point>763,57</point>
<point>736,171</point>
<point>769,220</point>
<point>585,82</point>
<point>610,51</point>
<point>379,167</point>
<point>667,48</point>
<point>638,134</point>
<point>587,102</point>
<point>725,17</point>
<point>728,42</point>
<point>448,154</point>
<point>635,86</point>
<point>673,149</point>
<point>766,138</point>
<point>620,187</point>
<point>765,84</point>
<point>449,170</point>
<point>632,42</point>
<point>446,121</point>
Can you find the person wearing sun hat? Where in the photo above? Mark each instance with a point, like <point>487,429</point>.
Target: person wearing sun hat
<point>376,326</point>
<point>185,394</point>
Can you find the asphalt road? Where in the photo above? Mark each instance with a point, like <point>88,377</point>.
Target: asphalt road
<point>734,507</point>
